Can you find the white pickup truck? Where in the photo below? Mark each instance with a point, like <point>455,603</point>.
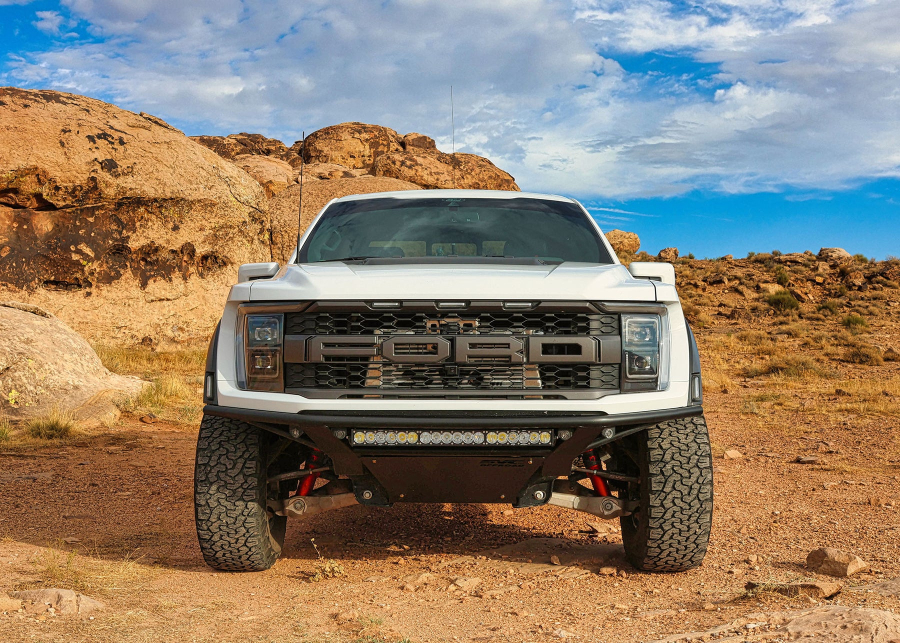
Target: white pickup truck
<point>458,346</point>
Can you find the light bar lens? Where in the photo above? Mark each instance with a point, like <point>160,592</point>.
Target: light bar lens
<point>451,438</point>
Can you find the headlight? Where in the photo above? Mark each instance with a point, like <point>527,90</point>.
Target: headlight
<point>640,352</point>
<point>259,353</point>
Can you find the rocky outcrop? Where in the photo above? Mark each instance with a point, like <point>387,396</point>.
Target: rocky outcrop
<point>117,221</point>
<point>667,254</point>
<point>353,145</point>
<point>835,255</point>
<point>415,141</point>
<point>316,194</point>
<point>624,243</point>
<point>273,174</point>
<point>436,170</point>
<point>231,146</point>
<point>326,171</point>
<point>834,562</point>
<point>45,364</point>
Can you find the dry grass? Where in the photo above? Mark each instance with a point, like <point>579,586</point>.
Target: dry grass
<point>176,377</point>
<point>151,364</point>
<point>792,366</point>
<point>57,424</point>
<point>5,430</point>
<point>57,567</point>
<point>864,354</point>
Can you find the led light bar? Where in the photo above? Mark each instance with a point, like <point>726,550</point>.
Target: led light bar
<point>522,438</point>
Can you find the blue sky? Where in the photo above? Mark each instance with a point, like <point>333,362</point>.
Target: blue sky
<point>717,127</point>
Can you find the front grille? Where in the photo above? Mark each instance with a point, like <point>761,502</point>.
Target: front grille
<point>447,323</point>
<point>382,376</point>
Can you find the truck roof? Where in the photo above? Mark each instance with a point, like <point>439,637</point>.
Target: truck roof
<point>453,194</point>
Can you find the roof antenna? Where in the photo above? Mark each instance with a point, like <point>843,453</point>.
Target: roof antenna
<point>452,137</point>
<point>300,206</point>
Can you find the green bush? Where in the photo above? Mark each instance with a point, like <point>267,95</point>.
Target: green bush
<point>861,258</point>
<point>855,322</point>
<point>864,354</point>
<point>782,301</point>
<point>831,306</point>
<point>782,276</point>
<point>50,427</point>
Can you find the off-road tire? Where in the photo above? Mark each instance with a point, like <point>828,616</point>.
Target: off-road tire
<point>669,532</point>
<point>235,531</point>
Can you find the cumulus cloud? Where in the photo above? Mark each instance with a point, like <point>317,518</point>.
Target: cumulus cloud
<point>49,22</point>
<point>755,95</point>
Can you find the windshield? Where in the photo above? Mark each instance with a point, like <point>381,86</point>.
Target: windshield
<point>410,229</point>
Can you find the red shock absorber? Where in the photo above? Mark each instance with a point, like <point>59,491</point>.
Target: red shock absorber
<point>592,462</point>
<point>309,482</point>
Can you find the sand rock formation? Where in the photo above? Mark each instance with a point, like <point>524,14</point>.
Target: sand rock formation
<point>624,243</point>
<point>435,170</point>
<point>353,145</point>
<point>45,364</point>
<point>273,174</point>
<point>416,141</point>
<point>231,146</point>
<point>667,254</point>
<point>110,217</point>
<point>835,255</point>
<point>316,194</point>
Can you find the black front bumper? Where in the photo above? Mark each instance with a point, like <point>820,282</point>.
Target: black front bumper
<point>431,474</point>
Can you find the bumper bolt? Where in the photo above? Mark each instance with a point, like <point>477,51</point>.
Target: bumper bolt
<point>608,433</point>
<point>295,432</point>
<point>564,434</point>
<point>340,434</point>
<point>539,495</point>
<point>367,495</point>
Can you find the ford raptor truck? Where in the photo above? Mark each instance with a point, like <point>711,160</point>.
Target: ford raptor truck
<point>453,346</point>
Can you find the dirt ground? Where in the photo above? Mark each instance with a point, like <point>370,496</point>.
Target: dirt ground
<point>126,497</point>
<point>109,513</point>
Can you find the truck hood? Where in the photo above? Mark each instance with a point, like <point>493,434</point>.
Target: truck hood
<point>339,281</point>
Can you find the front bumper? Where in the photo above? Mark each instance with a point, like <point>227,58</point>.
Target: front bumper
<point>437,474</point>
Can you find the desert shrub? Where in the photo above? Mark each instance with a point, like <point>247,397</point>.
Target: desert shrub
<point>814,317</point>
<point>861,258</point>
<point>750,255</point>
<point>689,309</point>
<point>855,322</point>
<point>752,337</point>
<point>776,253</point>
<point>147,363</point>
<point>864,354</point>
<point>792,330</point>
<point>163,394</point>
<point>57,424</point>
<point>691,255</point>
<point>782,277</point>
<point>841,290</point>
<point>787,365</point>
<point>831,306</point>
<point>762,257</point>
<point>5,430</point>
<point>782,301</point>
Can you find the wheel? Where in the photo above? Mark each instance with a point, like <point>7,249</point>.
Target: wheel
<point>669,531</point>
<point>235,530</point>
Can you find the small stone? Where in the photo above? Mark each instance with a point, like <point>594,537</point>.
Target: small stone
<point>815,590</point>
<point>834,562</point>
<point>507,512</point>
<point>150,418</point>
<point>63,601</point>
<point>408,588</point>
<point>733,454</point>
<point>620,606</point>
<point>347,616</point>
<point>607,571</point>
<point>709,607</point>
<point>881,502</point>
<point>752,559</point>
<point>554,560</point>
<point>466,583</point>
<point>807,459</point>
<point>71,541</point>
<point>562,634</point>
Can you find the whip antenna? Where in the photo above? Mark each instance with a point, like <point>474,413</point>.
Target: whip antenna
<point>300,206</point>
<point>452,137</point>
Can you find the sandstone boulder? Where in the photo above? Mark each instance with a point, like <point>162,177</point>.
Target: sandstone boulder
<point>273,174</point>
<point>117,221</point>
<point>835,255</point>
<point>44,364</point>
<point>231,146</point>
<point>436,170</point>
<point>416,141</point>
<point>326,171</point>
<point>668,254</point>
<point>316,194</point>
<point>353,145</point>
<point>834,562</point>
<point>624,243</point>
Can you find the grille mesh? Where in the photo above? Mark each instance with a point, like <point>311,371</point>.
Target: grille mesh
<point>445,323</point>
<point>384,376</point>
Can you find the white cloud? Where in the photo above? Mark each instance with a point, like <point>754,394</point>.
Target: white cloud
<point>807,92</point>
<point>49,22</point>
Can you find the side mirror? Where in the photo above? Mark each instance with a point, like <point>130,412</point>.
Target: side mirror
<point>253,271</point>
<point>663,272</point>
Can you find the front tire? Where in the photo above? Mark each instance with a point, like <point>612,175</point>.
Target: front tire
<point>669,532</point>
<point>234,528</point>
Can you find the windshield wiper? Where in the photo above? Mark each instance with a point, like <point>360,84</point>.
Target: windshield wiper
<point>361,258</point>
